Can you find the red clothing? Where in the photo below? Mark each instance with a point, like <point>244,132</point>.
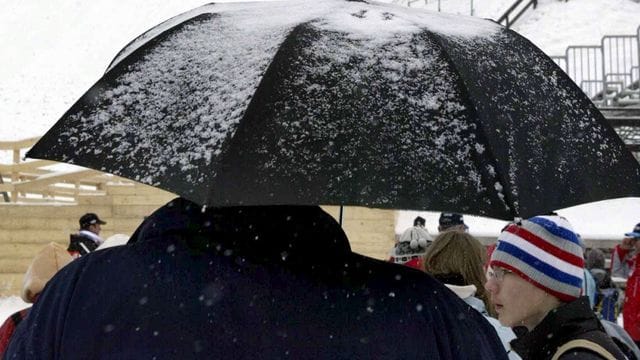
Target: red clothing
<point>415,262</point>
<point>622,262</point>
<point>631,310</point>
<point>9,326</point>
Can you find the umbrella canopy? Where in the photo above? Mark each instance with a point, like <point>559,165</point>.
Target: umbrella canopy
<point>345,103</point>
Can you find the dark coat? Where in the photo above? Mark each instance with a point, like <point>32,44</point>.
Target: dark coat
<point>247,283</point>
<point>571,321</point>
<point>76,242</point>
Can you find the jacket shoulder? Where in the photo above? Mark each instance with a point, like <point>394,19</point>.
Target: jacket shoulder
<point>597,340</point>
<point>584,354</point>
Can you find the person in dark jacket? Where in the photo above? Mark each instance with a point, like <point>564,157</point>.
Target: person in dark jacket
<point>88,237</point>
<point>247,283</point>
<point>535,284</point>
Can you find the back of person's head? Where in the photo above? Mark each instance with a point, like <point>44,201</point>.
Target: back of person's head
<point>419,221</point>
<point>545,251</point>
<point>456,254</point>
<point>296,234</point>
<point>451,221</point>
<point>43,267</point>
<point>595,259</point>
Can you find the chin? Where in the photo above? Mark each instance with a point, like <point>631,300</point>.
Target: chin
<point>505,322</point>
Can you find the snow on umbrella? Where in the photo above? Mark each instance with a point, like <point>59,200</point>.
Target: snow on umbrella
<point>341,102</point>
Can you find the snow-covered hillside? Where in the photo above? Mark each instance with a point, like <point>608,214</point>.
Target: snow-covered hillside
<point>54,51</point>
<point>556,24</point>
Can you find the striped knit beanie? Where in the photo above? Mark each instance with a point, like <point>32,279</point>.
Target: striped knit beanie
<point>545,251</point>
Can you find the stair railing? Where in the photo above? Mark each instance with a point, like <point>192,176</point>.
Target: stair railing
<point>507,19</point>
<point>608,73</point>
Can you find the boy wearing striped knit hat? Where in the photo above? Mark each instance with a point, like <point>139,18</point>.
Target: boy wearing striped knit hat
<point>535,282</point>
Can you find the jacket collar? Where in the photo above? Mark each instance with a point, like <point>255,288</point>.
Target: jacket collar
<point>560,325</point>
<point>292,234</point>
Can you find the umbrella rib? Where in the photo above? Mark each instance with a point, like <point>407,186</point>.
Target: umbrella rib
<point>480,129</point>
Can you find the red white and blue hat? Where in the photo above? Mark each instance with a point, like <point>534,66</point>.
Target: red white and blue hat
<point>545,251</point>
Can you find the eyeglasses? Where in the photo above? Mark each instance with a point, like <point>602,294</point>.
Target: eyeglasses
<point>498,273</point>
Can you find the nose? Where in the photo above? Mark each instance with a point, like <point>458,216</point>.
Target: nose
<point>491,285</point>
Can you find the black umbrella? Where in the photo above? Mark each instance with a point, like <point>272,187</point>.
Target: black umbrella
<point>350,103</point>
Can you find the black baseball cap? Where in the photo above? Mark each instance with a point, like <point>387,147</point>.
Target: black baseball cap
<point>90,219</point>
<point>451,219</point>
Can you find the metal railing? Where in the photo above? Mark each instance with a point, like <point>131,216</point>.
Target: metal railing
<point>608,73</point>
<point>515,11</point>
<point>448,6</point>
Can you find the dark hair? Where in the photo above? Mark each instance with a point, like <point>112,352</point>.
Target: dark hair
<point>595,259</point>
<point>419,221</point>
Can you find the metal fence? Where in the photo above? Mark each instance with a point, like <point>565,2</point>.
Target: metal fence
<point>608,73</point>
<point>461,7</point>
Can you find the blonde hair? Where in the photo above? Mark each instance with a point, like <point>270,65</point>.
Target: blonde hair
<point>457,252</point>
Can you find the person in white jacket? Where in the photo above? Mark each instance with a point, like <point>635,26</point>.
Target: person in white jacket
<point>456,259</point>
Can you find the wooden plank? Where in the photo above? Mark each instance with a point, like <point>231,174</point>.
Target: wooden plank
<point>49,179</point>
<point>8,223</point>
<point>153,199</point>
<point>14,265</point>
<point>56,210</point>
<point>11,284</point>
<point>26,166</point>
<point>22,250</point>
<point>35,236</point>
<point>20,144</point>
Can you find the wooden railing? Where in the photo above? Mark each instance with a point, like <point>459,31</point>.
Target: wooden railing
<point>46,181</point>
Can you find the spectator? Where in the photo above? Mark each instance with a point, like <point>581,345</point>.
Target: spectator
<point>631,309</point>
<point>88,238</point>
<point>451,221</point>
<point>456,259</point>
<point>259,282</point>
<point>417,235</point>
<point>623,255</point>
<point>608,297</point>
<point>536,284</point>
<point>413,242</point>
<point>588,284</point>
<point>46,263</point>
<point>594,259</point>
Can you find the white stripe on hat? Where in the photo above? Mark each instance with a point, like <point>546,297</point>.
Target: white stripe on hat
<point>542,255</point>
<point>560,242</point>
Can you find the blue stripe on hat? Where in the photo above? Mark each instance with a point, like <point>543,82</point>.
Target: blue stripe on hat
<point>538,264</point>
<point>556,229</point>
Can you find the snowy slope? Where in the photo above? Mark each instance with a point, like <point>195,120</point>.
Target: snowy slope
<point>556,24</point>
<point>59,49</point>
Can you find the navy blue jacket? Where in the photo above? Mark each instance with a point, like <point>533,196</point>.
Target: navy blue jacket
<point>247,283</point>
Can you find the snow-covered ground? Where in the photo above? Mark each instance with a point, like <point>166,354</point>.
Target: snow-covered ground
<point>9,305</point>
<point>556,24</point>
